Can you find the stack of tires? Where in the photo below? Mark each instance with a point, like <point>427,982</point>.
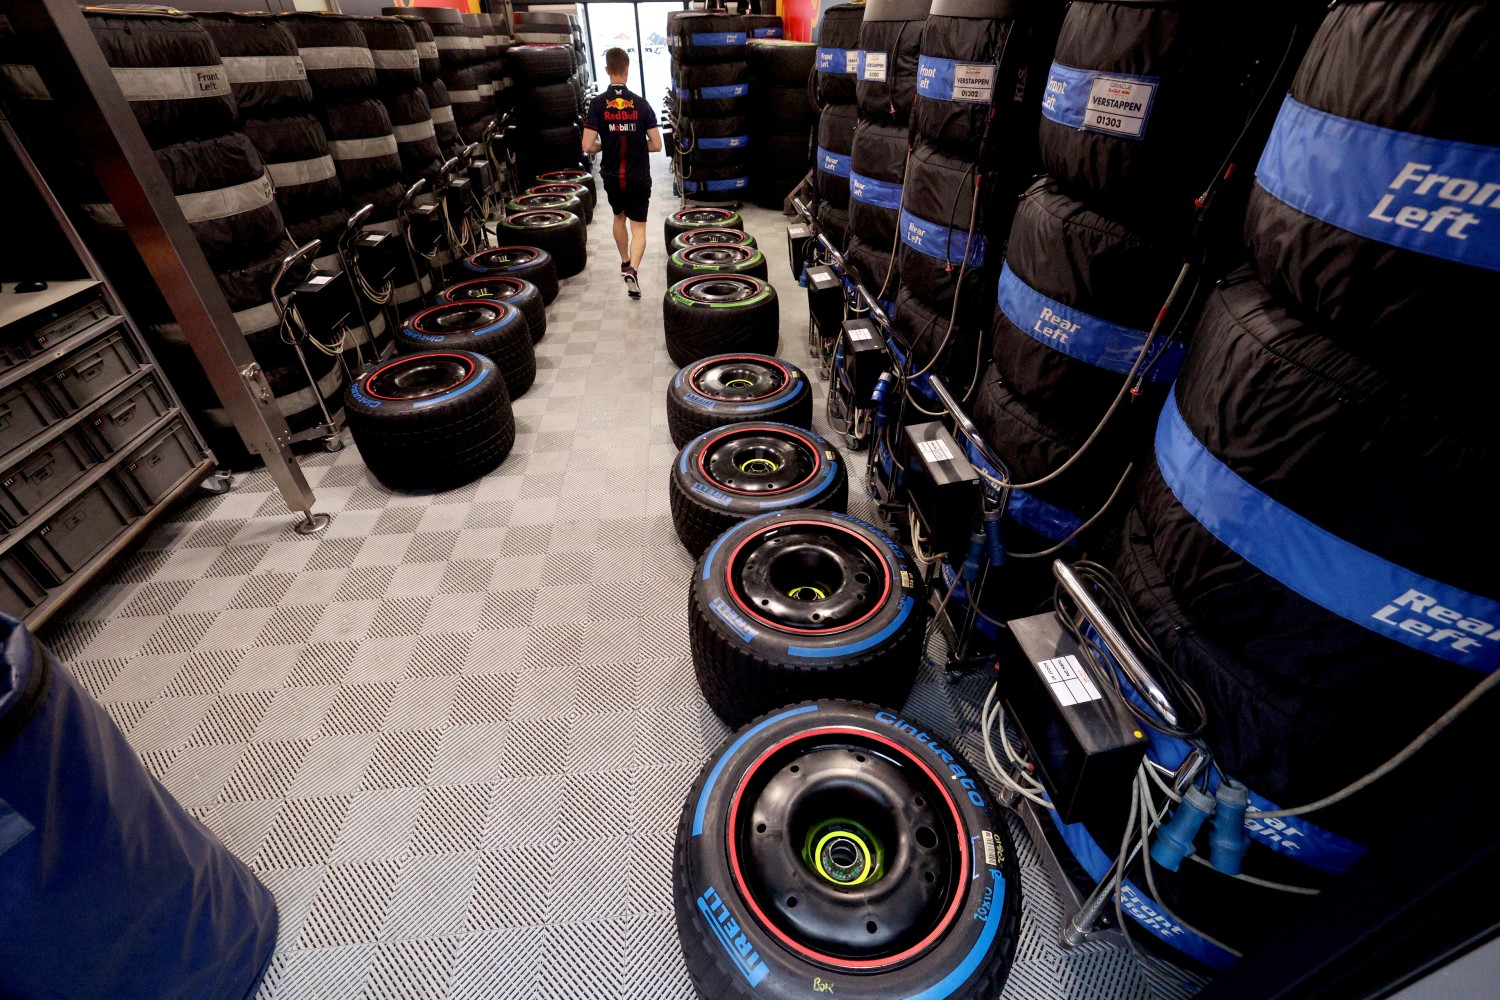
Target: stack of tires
<point>1301,542</point>
<point>496,45</point>
<point>398,73</point>
<point>837,76</point>
<point>890,39</point>
<point>1128,142</point>
<point>546,106</point>
<point>361,137</point>
<point>182,95</point>
<point>548,28</point>
<point>439,104</point>
<point>461,60</point>
<point>781,133</point>
<point>278,113</point>
<point>719,299</point>
<point>710,105</point>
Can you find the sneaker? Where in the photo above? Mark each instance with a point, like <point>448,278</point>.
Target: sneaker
<point>632,285</point>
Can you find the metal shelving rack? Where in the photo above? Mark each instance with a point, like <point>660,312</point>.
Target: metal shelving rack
<point>128,471</point>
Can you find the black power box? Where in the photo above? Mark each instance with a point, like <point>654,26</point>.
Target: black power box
<point>482,175</point>
<point>797,238</point>
<point>458,194</point>
<point>825,301</point>
<point>376,251</point>
<point>1083,740</point>
<point>942,485</point>
<point>426,226</point>
<point>865,357</point>
<point>324,302</point>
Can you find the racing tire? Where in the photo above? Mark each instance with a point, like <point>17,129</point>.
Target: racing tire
<point>716,313</point>
<point>498,330</point>
<point>730,474</point>
<point>431,421</point>
<point>533,200</point>
<point>700,217</point>
<point>517,291</point>
<point>710,235</point>
<point>578,191</point>
<point>573,177</point>
<point>550,104</point>
<point>562,234</point>
<point>721,259</point>
<point>769,821</point>
<point>736,388</point>
<point>528,263</point>
<point>538,64</point>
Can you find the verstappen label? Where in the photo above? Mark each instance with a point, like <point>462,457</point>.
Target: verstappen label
<point>949,80</point>
<point>1430,196</point>
<point>872,66</point>
<point>1114,103</point>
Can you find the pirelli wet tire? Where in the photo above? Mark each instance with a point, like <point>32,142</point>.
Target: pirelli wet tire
<point>529,263</point>
<point>801,604</point>
<point>717,313</point>
<point>838,40</point>
<point>569,190</point>
<point>533,65</point>
<point>842,845</point>
<point>736,388</point>
<point>743,470</point>
<point>497,330</point>
<point>687,219</point>
<point>550,104</point>
<point>710,236</point>
<point>715,259</point>
<point>1377,252</point>
<point>562,234</point>
<point>431,421</point>
<point>502,288</point>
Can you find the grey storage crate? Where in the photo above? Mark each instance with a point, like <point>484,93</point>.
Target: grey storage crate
<point>24,413</point>
<point>20,591</point>
<point>23,348</point>
<point>70,538</point>
<point>159,465</point>
<point>30,483</point>
<point>91,371</point>
<point>126,417</point>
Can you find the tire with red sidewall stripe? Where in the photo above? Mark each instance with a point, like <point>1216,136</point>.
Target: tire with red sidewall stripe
<point>735,388</point>
<point>802,604</point>
<point>755,870</point>
<point>700,217</point>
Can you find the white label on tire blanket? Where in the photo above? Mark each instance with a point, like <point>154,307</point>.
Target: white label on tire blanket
<point>974,83</point>
<point>872,67</point>
<point>1118,106</point>
<point>1070,683</point>
<point>935,451</point>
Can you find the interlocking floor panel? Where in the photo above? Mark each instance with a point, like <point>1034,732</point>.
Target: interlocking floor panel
<point>453,733</point>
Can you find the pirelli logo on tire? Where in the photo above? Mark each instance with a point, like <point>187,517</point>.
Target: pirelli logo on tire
<point>726,928</point>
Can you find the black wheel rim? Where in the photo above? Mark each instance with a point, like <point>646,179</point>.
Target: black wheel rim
<point>535,201</point>
<point>419,376</point>
<point>458,317</point>
<point>567,190</point>
<point>538,219</point>
<point>484,288</point>
<point>721,288</point>
<point>739,379</point>
<point>808,577</point>
<point>713,237</point>
<point>759,460</point>
<point>718,255</point>
<point>703,216</point>
<point>849,848</point>
<point>504,257</point>
<point>567,176</point>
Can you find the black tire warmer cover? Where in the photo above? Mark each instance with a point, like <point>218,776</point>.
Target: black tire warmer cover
<point>890,39</point>
<point>702,37</point>
<point>393,49</point>
<point>778,63</point>
<point>335,53</point>
<point>1338,462</point>
<point>259,54</point>
<point>877,166</point>
<point>835,143</point>
<point>1416,80</point>
<point>940,204</point>
<point>838,54</point>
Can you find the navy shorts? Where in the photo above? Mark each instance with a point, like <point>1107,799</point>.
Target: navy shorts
<point>631,202</point>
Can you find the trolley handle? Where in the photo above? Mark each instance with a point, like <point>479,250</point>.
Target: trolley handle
<point>966,426</point>
<point>871,304</point>
<point>411,195</point>
<point>306,250</point>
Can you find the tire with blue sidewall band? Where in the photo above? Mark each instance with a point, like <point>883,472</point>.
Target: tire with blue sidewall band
<point>691,409</point>
<point>729,951</point>
<point>496,329</point>
<point>702,508</point>
<point>747,665</point>
<point>537,267</point>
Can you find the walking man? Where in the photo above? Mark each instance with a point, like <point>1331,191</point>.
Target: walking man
<point>622,125</point>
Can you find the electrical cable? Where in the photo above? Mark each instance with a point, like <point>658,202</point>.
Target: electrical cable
<point>991,715</point>
<point>1299,890</point>
<point>1124,477</point>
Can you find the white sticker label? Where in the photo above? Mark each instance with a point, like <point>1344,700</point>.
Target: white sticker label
<point>851,61</point>
<point>974,83</point>
<point>320,279</point>
<point>858,333</point>
<point>1118,106</point>
<point>873,67</point>
<point>1070,683</point>
<point>935,451</point>
<point>991,859</point>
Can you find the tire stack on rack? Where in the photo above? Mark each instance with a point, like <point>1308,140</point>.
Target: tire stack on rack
<point>1301,540</point>
<point>182,96</point>
<point>837,76</point>
<point>279,115</point>
<point>1143,105</point>
<point>398,73</point>
<point>781,133</point>
<point>710,103</point>
<point>890,38</point>
<point>430,64</point>
<point>460,53</point>
<point>496,45</point>
<point>484,55</point>
<point>361,138</point>
<point>551,137</point>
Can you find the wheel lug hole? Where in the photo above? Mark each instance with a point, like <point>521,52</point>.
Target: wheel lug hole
<point>871,927</point>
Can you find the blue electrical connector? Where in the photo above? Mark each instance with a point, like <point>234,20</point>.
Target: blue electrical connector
<point>1175,841</point>
<point>975,559</point>
<point>1230,841</point>
<point>992,535</point>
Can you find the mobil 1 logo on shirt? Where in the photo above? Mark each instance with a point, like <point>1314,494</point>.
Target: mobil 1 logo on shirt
<point>1119,106</point>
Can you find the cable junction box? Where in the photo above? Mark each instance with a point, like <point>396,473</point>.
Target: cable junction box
<point>942,486</point>
<point>377,252</point>
<point>825,301</point>
<point>426,225</point>
<point>797,237</point>
<point>323,301</point>
<point>865,357</point>
<point>1083,740</point>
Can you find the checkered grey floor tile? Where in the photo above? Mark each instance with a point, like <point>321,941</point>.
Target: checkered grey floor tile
<point>453,733</point>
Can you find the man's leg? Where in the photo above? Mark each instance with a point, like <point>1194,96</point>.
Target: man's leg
<point>637,242</point>
<point>622,238</point>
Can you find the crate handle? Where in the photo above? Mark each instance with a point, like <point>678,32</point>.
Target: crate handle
<point>86,371</point>
<point>123,414</point>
